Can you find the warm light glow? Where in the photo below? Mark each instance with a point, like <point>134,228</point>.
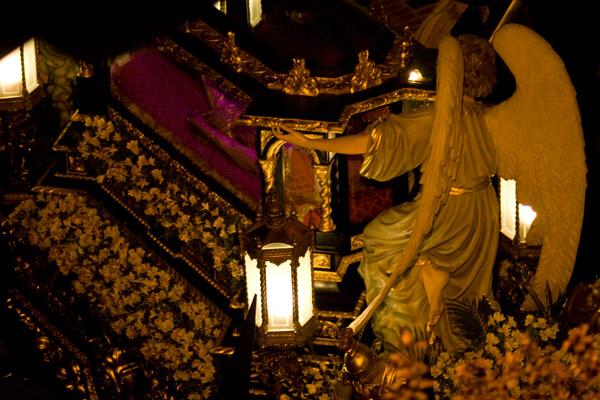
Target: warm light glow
<point>415,76</point>
<point>11,73</point>
<point>508,212</point>
<point>305,300</point>
<point>279,296</point>
<point>253,285</point>
<point>526,217</point>
<point>254,12</point>
<point>508,207</point>
<point>29,58</point>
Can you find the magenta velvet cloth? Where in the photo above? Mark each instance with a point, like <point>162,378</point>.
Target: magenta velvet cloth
<point>170,96</point>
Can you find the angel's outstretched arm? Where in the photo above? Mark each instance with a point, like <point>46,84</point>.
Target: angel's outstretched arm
<point>351,144</point>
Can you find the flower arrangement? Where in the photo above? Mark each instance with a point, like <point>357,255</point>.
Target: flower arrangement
<point>142,301</point>
<point>301,377</point>
<point>522,360</point>
<point>177,212</point>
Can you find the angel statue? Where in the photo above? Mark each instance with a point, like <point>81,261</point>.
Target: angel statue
<point>442,245</point>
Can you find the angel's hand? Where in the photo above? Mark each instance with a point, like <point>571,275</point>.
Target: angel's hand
<point>293,136</point>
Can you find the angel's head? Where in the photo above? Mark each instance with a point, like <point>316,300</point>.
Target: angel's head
<point>480,65</point>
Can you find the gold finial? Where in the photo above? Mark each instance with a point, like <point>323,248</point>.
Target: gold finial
<point>299,80</point>
<point>366,73</point>
<point>230,54</point>
<point>274,212</point>
<point>406,53</point>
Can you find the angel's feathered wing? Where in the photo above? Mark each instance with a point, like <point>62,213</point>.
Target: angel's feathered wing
<point>539,143</point>
<point>439,171</point>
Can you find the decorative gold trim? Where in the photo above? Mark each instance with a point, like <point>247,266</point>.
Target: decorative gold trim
<point>272,80</point>
<point>171,48</point>
<point>347,260</point>
<point>182,171</point>
<point>356,242</point>
<point>339,126</point>
<point>57,190</point>
<point>193,157</point>
<point>342,268</point>
<point>321,260</point>
<point>268,169</point>
<point>56,146</point>
<point>366,73</point>
<point>406,46</point>
<point>326,276</point>
<point>322,173</point>
<point>299,81</point>
<point>256,69</point>
<point>230,54</point>
<point>76,372</point>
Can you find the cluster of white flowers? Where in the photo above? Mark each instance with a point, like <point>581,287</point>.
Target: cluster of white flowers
<point>159,196</point>
<point>140,300</point>
<point>520,362</point>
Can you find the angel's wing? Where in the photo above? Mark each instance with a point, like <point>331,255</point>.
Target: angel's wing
<point>439,171</point>
<point>539,143</point>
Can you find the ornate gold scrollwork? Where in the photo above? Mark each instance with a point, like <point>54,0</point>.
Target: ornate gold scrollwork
<point>121,372</point>
<point>256,69</point>
<point>268,168</point>
<point>322,172</point>
<point>230,54</point>
<point>366,73</point>
<point>299,80</point>
<point>321,261</point>
<point>356,242</point>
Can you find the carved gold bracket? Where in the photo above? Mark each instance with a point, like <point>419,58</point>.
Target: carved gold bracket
<point>342,268</point>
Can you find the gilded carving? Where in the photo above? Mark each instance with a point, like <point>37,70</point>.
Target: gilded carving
<point>339,126</point>
<point>171,48</point>
<point>321,261</point>
<point>366,73</point>
<point>230,55</point>
<point>268,168</point>
<point>322,85</point>
<point>406,53</point>
<point>322,173</point>
<point>299,80</point>
<point>74,368</point>
<point>356,242</point>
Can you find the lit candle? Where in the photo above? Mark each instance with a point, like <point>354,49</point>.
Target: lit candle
<point>526,217</point>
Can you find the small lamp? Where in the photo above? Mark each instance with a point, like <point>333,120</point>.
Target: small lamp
<point>515,218</point>
<point>19,78</point>
<point>277,253</point>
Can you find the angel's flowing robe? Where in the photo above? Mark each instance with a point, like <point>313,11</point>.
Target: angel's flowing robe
<point>464,236</point>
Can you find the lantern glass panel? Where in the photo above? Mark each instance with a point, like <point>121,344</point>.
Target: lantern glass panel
<point>30,63</point>
<point>305,292</point>
<point>280,308</point>
<point>253,285</point>
<point>11,84</point>
<point>254,12</point>
<point>508,207</point>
